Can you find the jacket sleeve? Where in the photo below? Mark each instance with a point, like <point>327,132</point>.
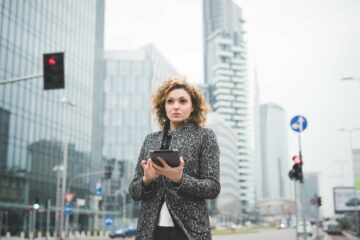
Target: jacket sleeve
<point>207,186</point>
<point>137,189</point>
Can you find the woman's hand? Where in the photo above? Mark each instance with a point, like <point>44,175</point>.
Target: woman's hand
<point>149,172</point>
<point>174,174</point>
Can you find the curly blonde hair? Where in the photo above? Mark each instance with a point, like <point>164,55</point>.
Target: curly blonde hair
<point>200,106</point>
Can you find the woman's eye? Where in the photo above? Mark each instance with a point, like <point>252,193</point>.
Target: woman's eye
<point>169,101</point>
<point>183,101</point>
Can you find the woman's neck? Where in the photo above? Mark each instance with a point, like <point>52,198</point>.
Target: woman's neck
<point>174,126</point>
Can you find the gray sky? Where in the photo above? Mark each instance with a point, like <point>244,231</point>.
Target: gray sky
<point>301,48</point>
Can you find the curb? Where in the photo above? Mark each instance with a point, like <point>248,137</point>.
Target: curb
<point>351,237</point>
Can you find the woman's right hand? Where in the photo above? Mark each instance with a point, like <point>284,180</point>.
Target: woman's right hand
<point>149,172</point>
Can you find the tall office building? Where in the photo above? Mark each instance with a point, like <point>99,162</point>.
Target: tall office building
<point>131,77</point>
<point>226,76</point>
<point>32,124</point>
<point>311,189</point>
<point>228,204</point>
<point>274,152</point>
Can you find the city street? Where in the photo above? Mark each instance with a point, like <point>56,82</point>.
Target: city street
<point>284,234</point>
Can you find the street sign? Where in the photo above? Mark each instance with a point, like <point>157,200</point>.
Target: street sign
<point>80,202</point>
<point>69,196</point>
<point>108,220</point>
<point>98,189</point>
<point>298,123</point>
<point>313,201</point>
<point>69,209</point>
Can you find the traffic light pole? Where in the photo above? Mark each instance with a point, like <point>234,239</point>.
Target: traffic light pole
<point>2,82</point>
<point>302,195</point>
<point>296,210</point>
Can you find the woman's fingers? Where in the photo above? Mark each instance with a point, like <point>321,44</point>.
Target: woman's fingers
<point>182,162</point>
<point>164,163</point>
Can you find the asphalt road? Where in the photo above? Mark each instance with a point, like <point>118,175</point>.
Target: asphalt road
<point>278,234</point>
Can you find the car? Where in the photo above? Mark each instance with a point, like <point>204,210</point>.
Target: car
<point>300,228</point>
<point>123,232</point>
<point>353,202</point>
<point>333,227</point>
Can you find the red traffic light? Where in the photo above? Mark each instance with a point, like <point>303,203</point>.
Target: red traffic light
<point>53,69</point>
<point>297,160</point>
<point>52,61</point>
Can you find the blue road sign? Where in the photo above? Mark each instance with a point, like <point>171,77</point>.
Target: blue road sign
<point>298,123</point>
<point>108,220</point>
<point>98,189</point>
<point>69,209</point>
<point>313,201</point>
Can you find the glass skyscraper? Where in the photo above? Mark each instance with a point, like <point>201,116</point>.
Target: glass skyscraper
<point>275,160</point>
<point>132,76</point>
<point>31,119</point>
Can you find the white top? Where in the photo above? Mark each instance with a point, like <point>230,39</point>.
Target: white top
<point>165,219</point>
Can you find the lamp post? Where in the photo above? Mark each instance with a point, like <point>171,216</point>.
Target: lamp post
<point>67,103</point>
<point>350,131</point>
<point>58,169</point>
<point>350,78</point>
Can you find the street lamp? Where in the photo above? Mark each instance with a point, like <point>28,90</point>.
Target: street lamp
<point>67,104</point>
<point>58,169</point>
<point>350,78</point>
<point>350,131</point>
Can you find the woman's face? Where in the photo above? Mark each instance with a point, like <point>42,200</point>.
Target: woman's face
<point>178,107</point>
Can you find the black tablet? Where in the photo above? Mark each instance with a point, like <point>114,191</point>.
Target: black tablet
<point>171,157</point>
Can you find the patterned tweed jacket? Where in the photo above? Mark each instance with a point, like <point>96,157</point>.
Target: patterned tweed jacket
<point>185,201</point>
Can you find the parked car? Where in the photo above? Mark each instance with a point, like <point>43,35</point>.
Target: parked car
<point>353,202</point>
<point>123,232</point>
<point>300,228</point>
<point>333,227</point>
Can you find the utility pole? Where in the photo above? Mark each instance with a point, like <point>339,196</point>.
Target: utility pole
<point>67,103</point>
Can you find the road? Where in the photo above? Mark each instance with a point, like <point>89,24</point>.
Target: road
<point>283,234</point>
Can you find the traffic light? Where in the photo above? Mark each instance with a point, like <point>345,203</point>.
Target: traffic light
<point>108,171</point>
<point>296,171</point>
<point>53,68</point>
<point>319,203</point>
<point>36,204</point>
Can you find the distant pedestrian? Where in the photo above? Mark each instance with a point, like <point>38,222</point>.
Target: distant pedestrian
<point>173,203</point>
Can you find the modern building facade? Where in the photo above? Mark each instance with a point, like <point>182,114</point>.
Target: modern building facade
<point>32,120</point>
<point>225,60</point>
<point>311,189</point>
<point>228,203</point>
<point>273,173</point>
<point>131,77</point>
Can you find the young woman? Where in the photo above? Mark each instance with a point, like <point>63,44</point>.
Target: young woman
<point>173,199</point>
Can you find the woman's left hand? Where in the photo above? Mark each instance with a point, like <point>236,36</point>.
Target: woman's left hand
<point>174,174</point>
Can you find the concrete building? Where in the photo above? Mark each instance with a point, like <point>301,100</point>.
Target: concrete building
<point>225,70</point>
<point>228,203</point>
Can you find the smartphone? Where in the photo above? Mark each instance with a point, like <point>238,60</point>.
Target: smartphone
<point>171,157</point>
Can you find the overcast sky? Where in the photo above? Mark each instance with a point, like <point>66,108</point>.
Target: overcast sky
<point>301,48</point>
